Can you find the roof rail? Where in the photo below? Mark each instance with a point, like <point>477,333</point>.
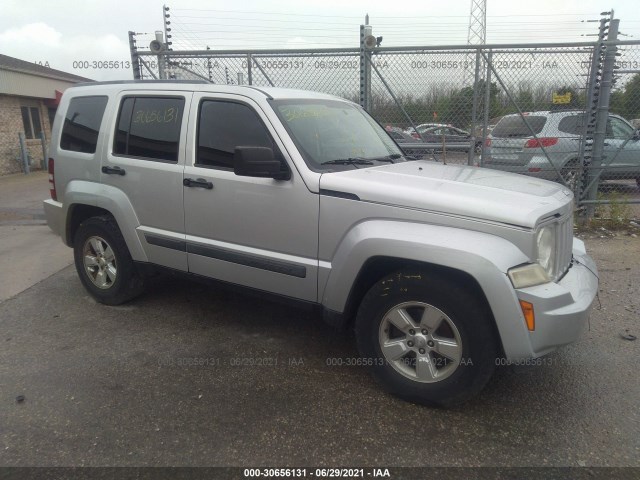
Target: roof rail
<point>128,82</point>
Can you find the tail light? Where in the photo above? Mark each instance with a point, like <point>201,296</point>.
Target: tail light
<point>541,142</point>
<point>487,142</point>
<point>52,182</point>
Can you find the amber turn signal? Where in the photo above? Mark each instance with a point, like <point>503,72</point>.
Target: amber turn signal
<point>529,316</point>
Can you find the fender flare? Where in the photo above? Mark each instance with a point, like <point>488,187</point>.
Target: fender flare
<point>112,199</point>
<point>485,257</point>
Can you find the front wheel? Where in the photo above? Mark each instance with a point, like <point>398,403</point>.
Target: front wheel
<point>103,262</point>
<point>429,340</point>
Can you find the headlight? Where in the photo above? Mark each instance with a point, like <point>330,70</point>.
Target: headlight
<point>546,240</point>
<point>528,276</point>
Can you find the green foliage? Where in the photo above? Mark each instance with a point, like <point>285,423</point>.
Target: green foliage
<point>625,101</point>
<point>454,106</point>
<point>616,213</point>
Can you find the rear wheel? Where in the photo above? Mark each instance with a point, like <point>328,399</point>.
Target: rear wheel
<point>103,262</point>
<point>427,340</point>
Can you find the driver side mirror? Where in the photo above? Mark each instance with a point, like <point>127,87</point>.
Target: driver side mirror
<point>258,162</point>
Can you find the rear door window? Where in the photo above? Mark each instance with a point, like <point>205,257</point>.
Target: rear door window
<point>572,125</point>
<point>82,124</point>
<point>516,126</point>
<point>149,128</point>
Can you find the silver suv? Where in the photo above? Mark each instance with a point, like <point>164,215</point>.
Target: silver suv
<point>513,148</point>
<point>442,271</point>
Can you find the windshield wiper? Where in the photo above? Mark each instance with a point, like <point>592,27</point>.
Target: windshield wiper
<point>388,158</point>
<point>355,161</point>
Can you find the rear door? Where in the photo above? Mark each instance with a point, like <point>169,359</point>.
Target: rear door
<point>145,161</point>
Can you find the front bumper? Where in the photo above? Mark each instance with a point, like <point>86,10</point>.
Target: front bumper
<point>562,308</point>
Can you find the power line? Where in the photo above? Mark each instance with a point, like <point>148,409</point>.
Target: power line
<point>373,15</point>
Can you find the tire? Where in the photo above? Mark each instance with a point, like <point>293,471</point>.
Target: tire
<point>103,262</point>
<point>457,324</point>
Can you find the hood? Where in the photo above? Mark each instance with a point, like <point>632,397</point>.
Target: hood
<point>474,192</point>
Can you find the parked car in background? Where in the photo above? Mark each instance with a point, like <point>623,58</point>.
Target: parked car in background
<point>422,127</point>
<point>440,136</point>
<point>512,146</point>
<point>408,144</point>
<point>391,128</point>
<point>452,137</point>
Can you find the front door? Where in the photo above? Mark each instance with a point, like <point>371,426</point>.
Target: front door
<point>256,232</point>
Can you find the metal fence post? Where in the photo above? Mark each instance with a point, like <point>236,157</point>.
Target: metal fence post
<point>249,71</point>
<point>602,116</point>
<point>24,154</point>
<point>590,112</point>
<point>474,109</point>
<point>133,49</point>
<point>487,107</point>
<point>365,70</point>
<point>45,154</point>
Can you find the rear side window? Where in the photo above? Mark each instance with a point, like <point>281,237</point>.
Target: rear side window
<point>149,127</point>
<point>222,127</point>
<point>82,124</point>
<point>572,125</point>
<point>515,126</point>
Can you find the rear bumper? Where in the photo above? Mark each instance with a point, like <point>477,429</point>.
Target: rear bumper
<point>536,166</point>
<point>53,213</point>
<point>562,308</point>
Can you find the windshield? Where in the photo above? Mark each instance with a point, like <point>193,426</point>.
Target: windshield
<point>335,135</point>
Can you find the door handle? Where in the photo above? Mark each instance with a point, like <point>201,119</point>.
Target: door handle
<point>113,170</point>
<point>200,183</point>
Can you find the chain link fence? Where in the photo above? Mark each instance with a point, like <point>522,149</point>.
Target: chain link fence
<point>563,112</point>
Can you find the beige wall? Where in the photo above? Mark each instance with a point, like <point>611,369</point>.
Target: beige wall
<point>29,85</point>
<point>11,125</point>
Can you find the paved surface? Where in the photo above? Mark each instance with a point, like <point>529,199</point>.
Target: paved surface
<point>189,375</point>
<point>29,251</point>
<point>172,379</point>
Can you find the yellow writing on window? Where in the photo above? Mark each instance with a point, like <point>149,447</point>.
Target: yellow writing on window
<point>168,115</point>
<point>295,113</point>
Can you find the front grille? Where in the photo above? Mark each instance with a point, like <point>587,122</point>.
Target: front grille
<point>564,242</point>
